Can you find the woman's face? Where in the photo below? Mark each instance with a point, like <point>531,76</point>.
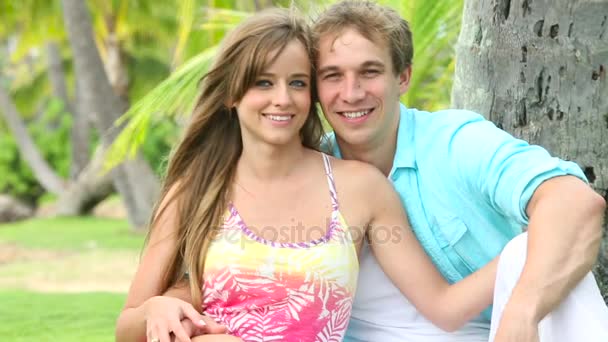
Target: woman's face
<point>275,108</point>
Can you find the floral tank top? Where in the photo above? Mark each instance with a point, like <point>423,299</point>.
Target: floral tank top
<point>269,291</point>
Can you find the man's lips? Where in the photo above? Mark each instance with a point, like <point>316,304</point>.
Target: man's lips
<point>355,114</point>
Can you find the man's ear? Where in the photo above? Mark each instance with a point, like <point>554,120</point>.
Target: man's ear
<point>404,80</point>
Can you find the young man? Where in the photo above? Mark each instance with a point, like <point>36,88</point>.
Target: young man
<point>468,187</point>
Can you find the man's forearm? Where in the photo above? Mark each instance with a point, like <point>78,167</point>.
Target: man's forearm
<point>564,235</point>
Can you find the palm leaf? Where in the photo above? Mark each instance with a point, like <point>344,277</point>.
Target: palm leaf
<point>435,25</point>
<point>186,20</point>
<point>174,95</point>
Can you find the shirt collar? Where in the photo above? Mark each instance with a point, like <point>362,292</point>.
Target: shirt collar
<point>405,153</point>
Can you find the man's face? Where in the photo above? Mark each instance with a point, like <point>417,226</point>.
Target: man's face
<point>358,89</point>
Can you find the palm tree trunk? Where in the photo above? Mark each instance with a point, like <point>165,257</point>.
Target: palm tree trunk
<point>42,170</point>
<point>80,128</point>
<point>57,74</point>
<point>84,193</point>
<point>115,66</point>
<point>538,70</point>
<point>134,180</point>
<point>80,135</point>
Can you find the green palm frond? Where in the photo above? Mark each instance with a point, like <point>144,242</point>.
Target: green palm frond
<point>220,18</point>
<point>34,22</point>
<point>186,20</point>
<point>175,95</point>
<point>435,25</point>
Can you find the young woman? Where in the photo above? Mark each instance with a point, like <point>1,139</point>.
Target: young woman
<point>267,227</point>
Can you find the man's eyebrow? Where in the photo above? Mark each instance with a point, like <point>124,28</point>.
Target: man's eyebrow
<point>366,64</point>
<point>376,64</point>
<point>328,69</point>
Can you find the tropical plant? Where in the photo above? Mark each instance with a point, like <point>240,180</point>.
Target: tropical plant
<point>122,25</point>
<point>435,25</point>
<point>17,178</point>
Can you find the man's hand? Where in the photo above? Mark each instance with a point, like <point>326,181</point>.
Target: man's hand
<point>564,235</point>
<point>514,327</point>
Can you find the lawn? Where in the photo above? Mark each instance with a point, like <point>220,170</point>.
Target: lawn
<point>64,279</point>
<point>68,317</point>
<point>72,233</point>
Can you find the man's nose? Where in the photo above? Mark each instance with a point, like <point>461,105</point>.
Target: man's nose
<point>351,90</point>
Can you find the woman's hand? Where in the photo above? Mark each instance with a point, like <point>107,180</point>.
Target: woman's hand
<point>211,329</point>
<point>164,316</point>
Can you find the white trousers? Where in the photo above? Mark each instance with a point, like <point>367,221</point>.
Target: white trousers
<point>582,316</point>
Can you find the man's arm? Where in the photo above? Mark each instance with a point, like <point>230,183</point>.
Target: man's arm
<point>549,196</point>
<point>564,234</point>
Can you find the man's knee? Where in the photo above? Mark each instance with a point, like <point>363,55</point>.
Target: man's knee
<point>512,260</point>
<point>516,249</point>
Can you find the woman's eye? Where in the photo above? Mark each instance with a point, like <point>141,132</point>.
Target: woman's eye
<point>263,83</point>
<point>298,84</point>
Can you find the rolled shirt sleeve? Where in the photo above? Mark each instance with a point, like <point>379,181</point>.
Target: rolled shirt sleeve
<point>504,170</point>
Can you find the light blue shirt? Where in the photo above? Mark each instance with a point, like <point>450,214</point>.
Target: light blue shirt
<point>465,185</point>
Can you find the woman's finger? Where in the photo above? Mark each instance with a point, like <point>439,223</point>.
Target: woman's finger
<point>180,333</point>
<point>159,333</point>
<point>212,327</point>
<point>191,313</point>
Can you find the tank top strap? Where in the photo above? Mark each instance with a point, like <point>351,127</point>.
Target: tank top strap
<point>330,182</point>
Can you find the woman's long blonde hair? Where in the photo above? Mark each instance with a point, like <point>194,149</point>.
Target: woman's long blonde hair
<point>202,167</point>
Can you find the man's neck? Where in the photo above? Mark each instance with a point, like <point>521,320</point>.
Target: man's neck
<point>380,154</point>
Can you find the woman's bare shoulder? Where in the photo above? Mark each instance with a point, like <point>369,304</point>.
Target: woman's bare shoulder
<point>354,171</point>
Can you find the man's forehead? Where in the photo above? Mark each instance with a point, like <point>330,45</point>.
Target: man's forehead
<point>330,42</point>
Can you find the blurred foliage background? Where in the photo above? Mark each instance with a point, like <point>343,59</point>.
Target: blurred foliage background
<point>166,47</point>
<point>153,54</point>
<point>64,279</point>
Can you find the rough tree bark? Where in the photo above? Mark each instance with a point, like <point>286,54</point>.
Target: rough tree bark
<point>537,68</point>
<point>134,179</point>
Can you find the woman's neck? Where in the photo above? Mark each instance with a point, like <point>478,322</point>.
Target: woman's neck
<point>269,163</point>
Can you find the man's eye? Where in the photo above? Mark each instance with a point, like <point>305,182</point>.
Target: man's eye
<point>370,72</point>
<point>263,83</point>
<point>331,76</point>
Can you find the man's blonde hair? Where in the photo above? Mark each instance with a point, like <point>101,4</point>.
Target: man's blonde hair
<point>379,24</point>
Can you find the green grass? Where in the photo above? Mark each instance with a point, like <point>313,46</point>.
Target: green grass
<point>72,234</point>
<point>60,255</point>
<point>28,316</point>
